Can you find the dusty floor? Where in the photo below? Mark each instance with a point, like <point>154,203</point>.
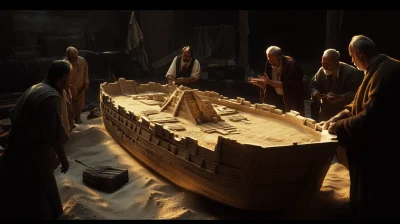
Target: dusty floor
<point>150,196</point>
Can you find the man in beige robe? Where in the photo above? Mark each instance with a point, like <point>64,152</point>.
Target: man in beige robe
<point>79,81</point>
<point>27,184</point>
<point>368,129</point>
<point>67,111</point>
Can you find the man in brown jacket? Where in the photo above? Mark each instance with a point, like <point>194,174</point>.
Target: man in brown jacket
<point>282,83</point>
<point>365,130</point>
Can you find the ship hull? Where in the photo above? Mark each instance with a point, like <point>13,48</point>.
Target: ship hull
<point>242,176</point>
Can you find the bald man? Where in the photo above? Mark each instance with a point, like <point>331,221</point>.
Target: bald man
<point>79,81</point>
<point>367,128</point>
<point>333,86</point>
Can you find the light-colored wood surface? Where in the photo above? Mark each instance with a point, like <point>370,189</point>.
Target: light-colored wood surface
<point>242,175</point>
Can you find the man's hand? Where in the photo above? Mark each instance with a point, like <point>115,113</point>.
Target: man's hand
<point>329,122</point>
<point>331,97</point>
<point>317,96</point>
<point>186,80</point>
<point>257,82</point>
<point>333,120</point>
<point>64,165</point>
<point>86,86</point>
<point>332,128</point>
<point>266,78</point>
<point>179,81</point>
<point>340,116</point>
<point>56,162</point>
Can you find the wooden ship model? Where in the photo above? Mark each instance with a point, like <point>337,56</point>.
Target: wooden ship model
<point>202,141</point>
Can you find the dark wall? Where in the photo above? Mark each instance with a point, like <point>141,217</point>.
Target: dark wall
<point>6,34</point>
<point>300,33</point>
<point>165,31</point>
<point>187,20</point>
<point>50,31</point>
<point>158,32</point>
<point>41,36</point>
<point>380,26</point>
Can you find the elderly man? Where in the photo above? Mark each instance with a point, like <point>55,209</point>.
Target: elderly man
<point>333,86</point>
<point>184,69</point>
<point>28,187</point>
<point>365,129</point>
<point>79,81</point>
<point>282,83</point>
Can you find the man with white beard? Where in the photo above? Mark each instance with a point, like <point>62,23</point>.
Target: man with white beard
<point>282,82</point>
<point>333,86</point>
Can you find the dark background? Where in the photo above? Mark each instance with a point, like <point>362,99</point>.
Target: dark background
<point>31,34</point>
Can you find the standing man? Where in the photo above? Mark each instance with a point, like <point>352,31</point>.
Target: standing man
<point>28,186</point>
<point>184,69</point>
<point>79,81</point>
<point>367,129</point>
<point>282,83</point>
<point>333,86</point>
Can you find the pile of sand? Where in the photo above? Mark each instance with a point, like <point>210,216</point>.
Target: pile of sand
<point>150,196</point>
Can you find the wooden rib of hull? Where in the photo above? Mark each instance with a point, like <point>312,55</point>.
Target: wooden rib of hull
<point>264,179</point>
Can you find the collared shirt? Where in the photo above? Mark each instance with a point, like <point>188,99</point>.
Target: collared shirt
<point>195,69</point>
<point>276,76</point>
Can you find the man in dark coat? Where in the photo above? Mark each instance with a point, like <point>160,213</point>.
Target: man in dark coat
<point>333,86</point>
<point>367,129</point>
<point>27,184</point>
<point>282,83</point>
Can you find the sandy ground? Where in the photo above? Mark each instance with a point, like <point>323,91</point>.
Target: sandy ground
<point>150,196</point>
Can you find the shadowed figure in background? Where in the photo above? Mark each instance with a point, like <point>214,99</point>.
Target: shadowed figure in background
<point>365,129</point>
<point>28,186</point>
<point>79,81</point>
<point>333,86</point>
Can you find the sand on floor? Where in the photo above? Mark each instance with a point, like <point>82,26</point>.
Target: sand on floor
<point>148,195</point>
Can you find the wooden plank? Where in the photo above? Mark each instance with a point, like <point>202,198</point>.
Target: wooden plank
<point>176,127</point>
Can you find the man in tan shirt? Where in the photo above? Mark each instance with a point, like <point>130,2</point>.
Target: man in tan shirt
<point>79,81</point>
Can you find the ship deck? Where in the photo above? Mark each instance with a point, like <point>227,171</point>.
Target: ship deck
<point>255,130</point>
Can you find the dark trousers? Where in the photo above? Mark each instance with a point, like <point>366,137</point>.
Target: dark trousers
<point>279,103</point>
<point>269,96</point>
<point>315,108</point>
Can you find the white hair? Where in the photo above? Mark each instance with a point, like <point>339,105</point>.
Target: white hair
<point>332,53</point>
<point>364,44</point>
<point>274,50</point>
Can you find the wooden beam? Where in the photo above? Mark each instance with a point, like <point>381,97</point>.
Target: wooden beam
<point>244,37</point>
<point>333,27</point>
